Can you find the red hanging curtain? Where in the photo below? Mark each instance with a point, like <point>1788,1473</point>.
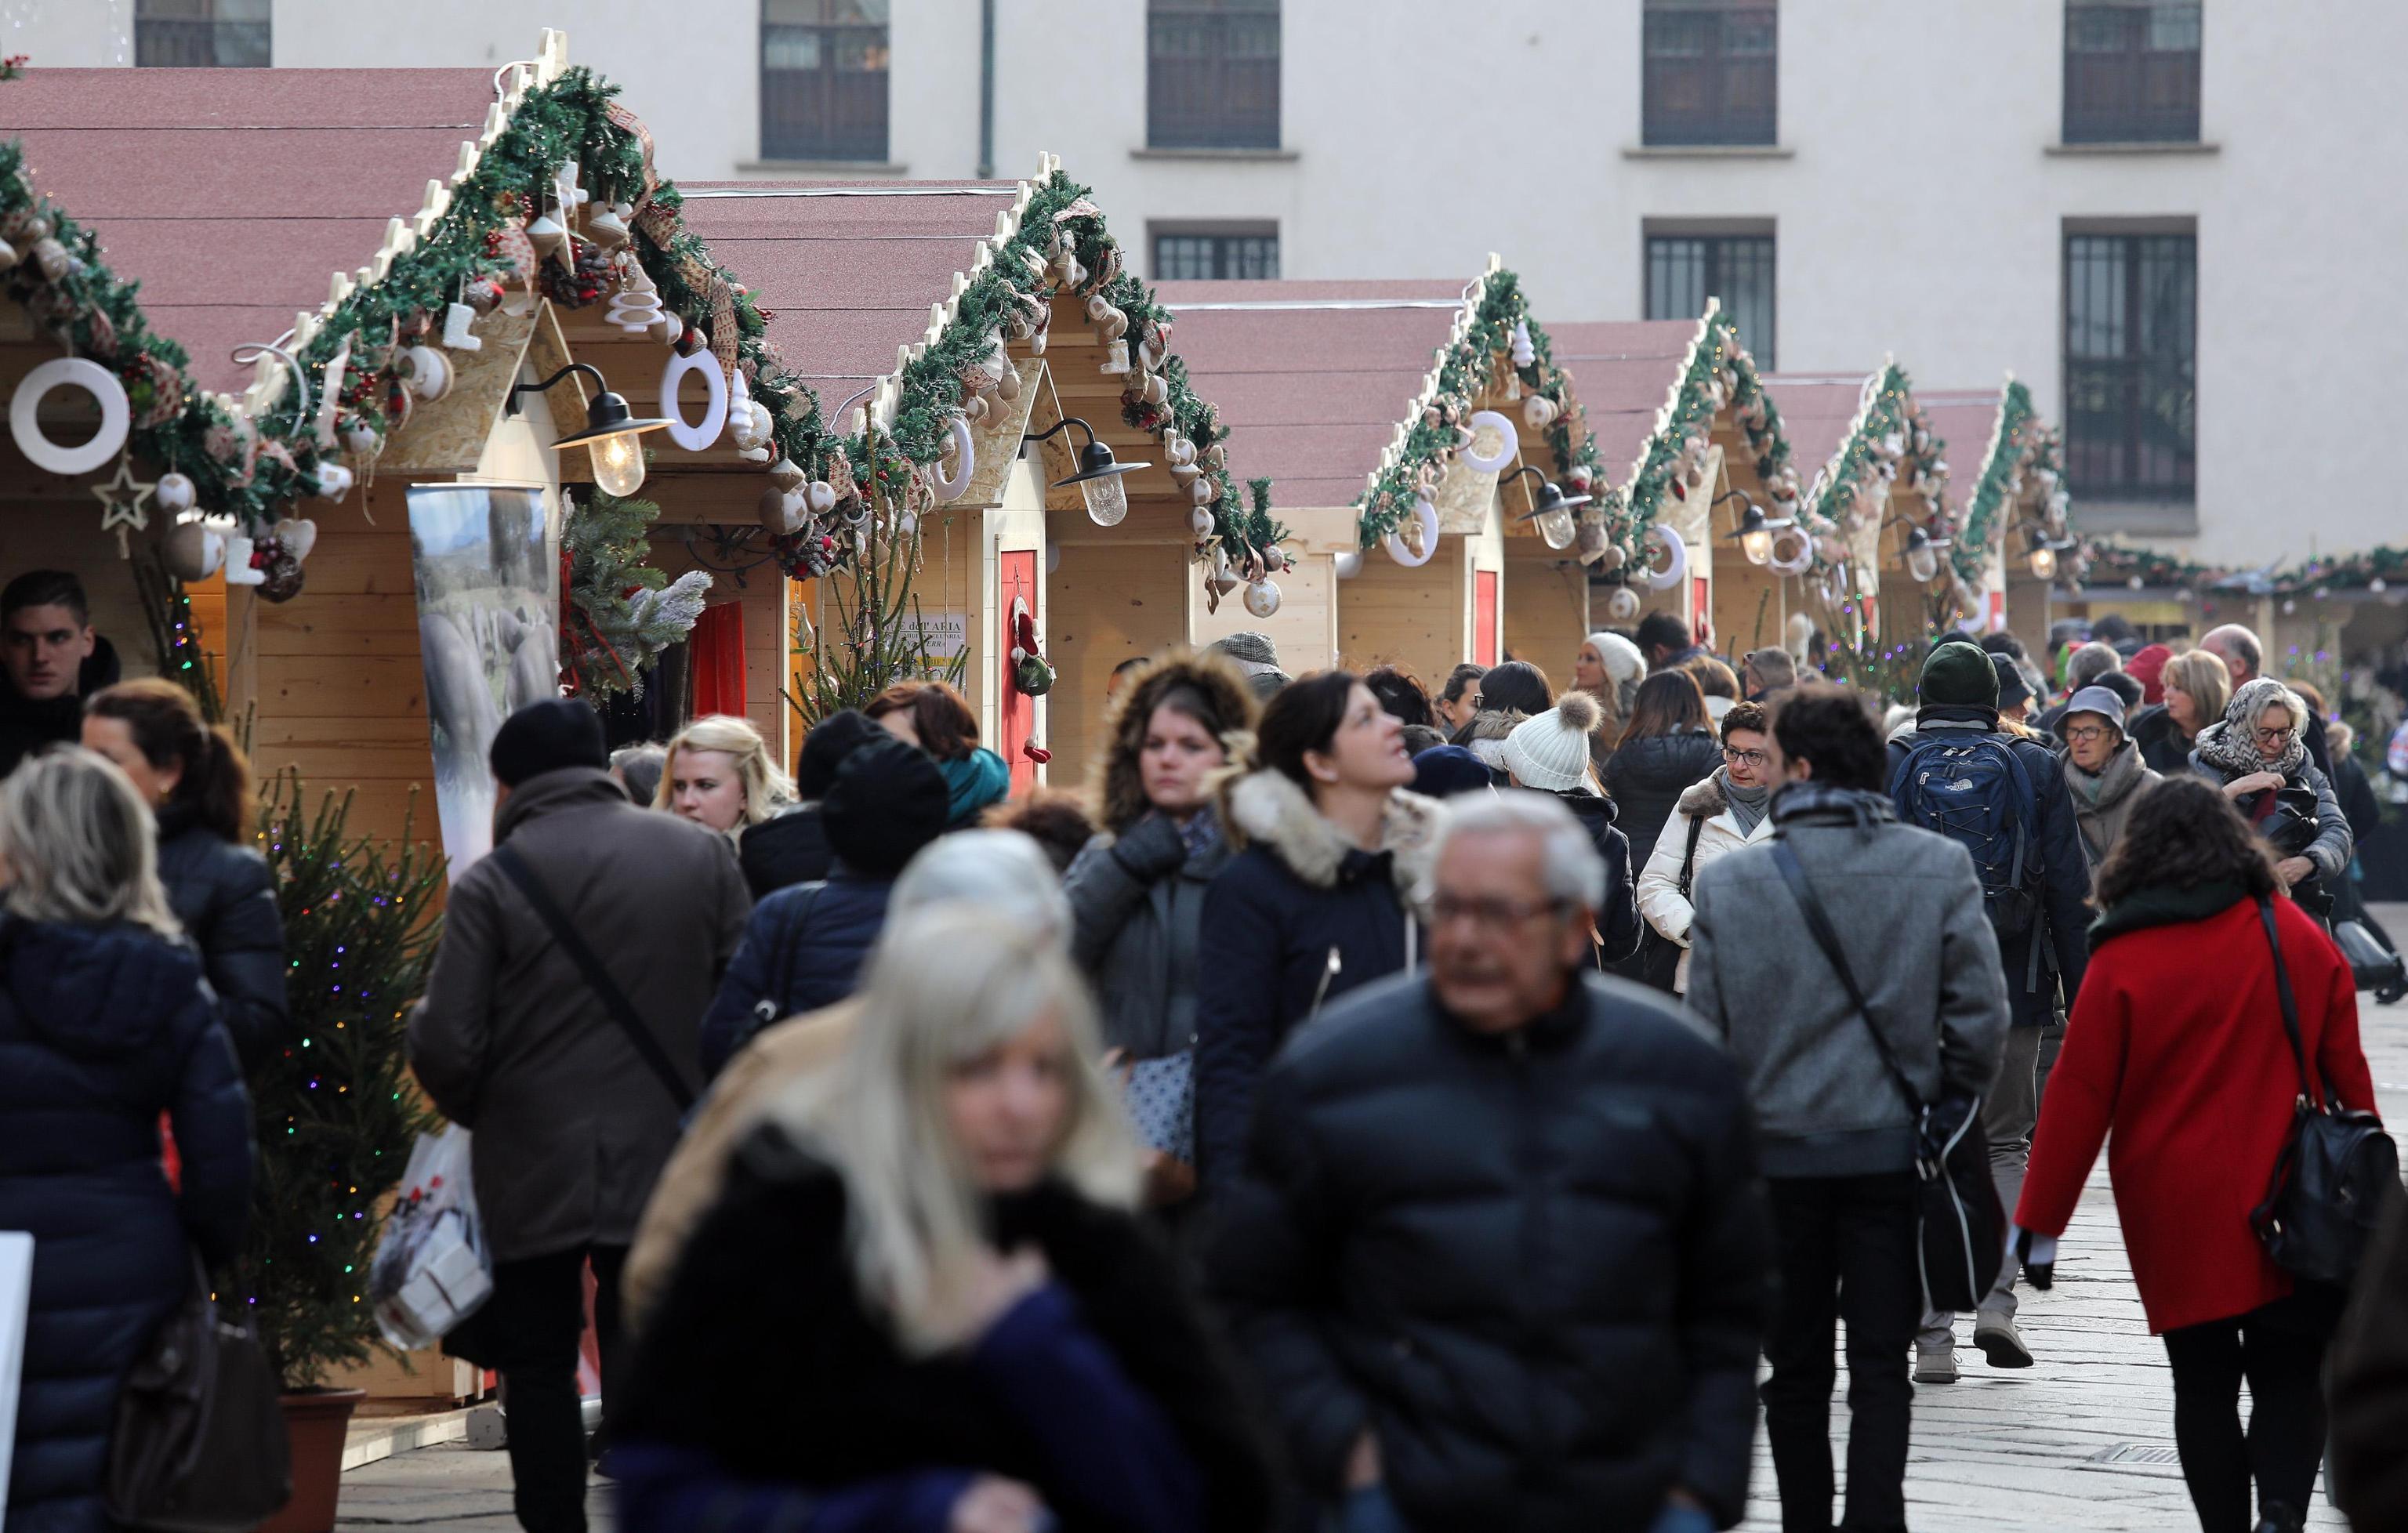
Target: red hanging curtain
<point>717,651</point>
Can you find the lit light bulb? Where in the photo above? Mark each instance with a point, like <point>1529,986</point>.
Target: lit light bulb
<point>1757,544</point>
<point>1558,529</point>
<point>618,463</point>
<point>2043,563</point>
<point>1107,499</point>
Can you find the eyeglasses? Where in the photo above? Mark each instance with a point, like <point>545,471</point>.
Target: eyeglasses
<point>1496,915</point>
<point>2273,737</point>
<point>2085,733</point>
<point>1752,758</point>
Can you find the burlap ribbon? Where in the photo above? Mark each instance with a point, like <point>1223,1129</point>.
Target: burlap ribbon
<point>623,119</point>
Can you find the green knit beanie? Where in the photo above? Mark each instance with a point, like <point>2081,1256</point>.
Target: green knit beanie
<point>1958,672</point>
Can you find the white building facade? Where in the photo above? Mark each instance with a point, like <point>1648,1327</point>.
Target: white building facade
<point>2170,217</point>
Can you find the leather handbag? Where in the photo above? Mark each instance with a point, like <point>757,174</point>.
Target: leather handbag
<point>1962,1239</point>
<point>2338,1170</point>
<point>199,1443</point>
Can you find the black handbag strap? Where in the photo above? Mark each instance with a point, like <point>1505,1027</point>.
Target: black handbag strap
<point>2290,1004</point>
<point>598,979</point>
<point>1819,923</point>
<point>1689,858</point>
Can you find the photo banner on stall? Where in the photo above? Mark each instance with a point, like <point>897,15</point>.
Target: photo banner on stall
<point>16,1303</point>
<point>487,561</point>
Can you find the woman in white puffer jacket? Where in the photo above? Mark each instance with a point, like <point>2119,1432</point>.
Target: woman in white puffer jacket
<point>1729,809</point>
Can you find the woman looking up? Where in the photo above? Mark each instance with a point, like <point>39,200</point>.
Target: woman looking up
<point>1318,899</point>
<point>198,786</point>
<point>921,1299</point>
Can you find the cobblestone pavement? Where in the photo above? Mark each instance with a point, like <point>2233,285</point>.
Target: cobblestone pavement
<point>2082,1439</point>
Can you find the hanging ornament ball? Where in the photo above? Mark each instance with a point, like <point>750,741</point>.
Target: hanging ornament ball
<point>1263,598</point>
<point>2378,585</point>
<point>783,512</point>
<point>194,551</point>
<point>1200,521</point>
<point>1623,605</point>
<point>173,493</point>
<point>822,495</point>
<point>1614,558</point>
<point>1347,563</point>
<point>2135,582</point>
<point>1539,411</point>
<point>1275,559</point>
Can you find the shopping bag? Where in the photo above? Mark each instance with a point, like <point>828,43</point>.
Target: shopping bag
<point>431,1271</point>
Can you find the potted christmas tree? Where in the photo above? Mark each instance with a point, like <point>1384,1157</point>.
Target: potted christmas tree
<point>334,1113</point>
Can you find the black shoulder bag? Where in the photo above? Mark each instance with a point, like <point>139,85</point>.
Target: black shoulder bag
<point>598,979</point>
<point>1659,956</point>
<point>1964,1230</point>
<point>199,1443</point>
<point>2336,1174</point>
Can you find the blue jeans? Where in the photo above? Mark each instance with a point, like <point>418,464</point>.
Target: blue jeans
<point>1367,1510</point>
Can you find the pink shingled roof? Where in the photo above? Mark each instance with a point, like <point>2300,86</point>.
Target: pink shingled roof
<point>846,269</point>
<point>1815,411</point>
<point>1965,420</point>
<point>1312,376</point>
<point>232,195</point>
<point>1622,371</point>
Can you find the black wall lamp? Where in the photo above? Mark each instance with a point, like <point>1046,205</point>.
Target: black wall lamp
<point>1098,478</point>
<point>611,431</point>
<point>1551,509</point>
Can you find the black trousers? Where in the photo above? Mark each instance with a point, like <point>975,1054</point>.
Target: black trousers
<point>535,1319</point>
<point>1846,1247</point>
<point>2280,1349</point>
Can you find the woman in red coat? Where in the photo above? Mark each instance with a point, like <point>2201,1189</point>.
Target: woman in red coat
<point>2177,1044</point>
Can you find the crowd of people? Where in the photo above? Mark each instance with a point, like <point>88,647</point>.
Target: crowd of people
<point>1370,1105</point>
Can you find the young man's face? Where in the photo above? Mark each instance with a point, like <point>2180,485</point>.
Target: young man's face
<point>45,648</point>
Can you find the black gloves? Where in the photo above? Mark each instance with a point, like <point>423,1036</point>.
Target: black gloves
<point>1151,847</point>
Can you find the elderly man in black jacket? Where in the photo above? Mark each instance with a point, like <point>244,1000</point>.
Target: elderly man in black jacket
<point>1498,1254</point>
<point>2042,959</point>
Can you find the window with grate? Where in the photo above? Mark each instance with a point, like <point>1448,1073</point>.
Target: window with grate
<point>2131,361</point>
<point>1711,72</point>
<point>823,79</point>
<point>1213,73</point>
<point>2131,71</point>
<point>190,33</point>
<point>1685,270</point>
<point>1183,257</point>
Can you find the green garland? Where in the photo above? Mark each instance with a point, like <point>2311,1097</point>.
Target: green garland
<point>1468,369</point>
<point>1718,369</point>
<point>2022,448</point>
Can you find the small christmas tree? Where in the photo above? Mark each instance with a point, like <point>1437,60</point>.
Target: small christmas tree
<point>617,611</point>
<point>873,637</point>
<point>334,1111</point>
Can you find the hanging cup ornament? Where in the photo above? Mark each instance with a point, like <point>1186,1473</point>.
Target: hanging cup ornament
<point>430,373</point>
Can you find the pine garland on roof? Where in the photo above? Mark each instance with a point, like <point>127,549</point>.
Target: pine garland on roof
<point>1718,372</point>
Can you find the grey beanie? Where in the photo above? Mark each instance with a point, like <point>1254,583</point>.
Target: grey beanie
<point>2093,699</point>
<point>1254,648</point>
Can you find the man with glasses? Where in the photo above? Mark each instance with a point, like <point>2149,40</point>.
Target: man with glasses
<point>1498,1254</point>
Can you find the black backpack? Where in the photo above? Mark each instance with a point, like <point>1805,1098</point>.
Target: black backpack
<point>1973,790</point>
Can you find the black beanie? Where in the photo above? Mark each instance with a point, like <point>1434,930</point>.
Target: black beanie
<point>1958,672</point>
<point>887,802</point>
<point>2012,688</point>
<point>545,737</point>
<point>831,740</point>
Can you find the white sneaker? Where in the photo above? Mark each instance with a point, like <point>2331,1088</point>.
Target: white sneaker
<point>1935,1363</point>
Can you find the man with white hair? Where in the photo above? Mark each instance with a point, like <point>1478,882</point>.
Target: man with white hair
<point>1499,1252</point>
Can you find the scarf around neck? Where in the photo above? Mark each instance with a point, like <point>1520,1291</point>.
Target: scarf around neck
<point>2230,745</point>
<point>974,782</point>
<point>2164,906</point>
<point>1748,806</point>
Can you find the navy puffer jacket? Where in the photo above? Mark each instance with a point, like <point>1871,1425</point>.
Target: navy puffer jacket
<point>225,898</point>
<point>1298,918</point>
<point>804,949</point>
<point>102,1028</point>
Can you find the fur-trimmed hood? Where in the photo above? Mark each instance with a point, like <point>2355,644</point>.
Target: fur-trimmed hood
<point>1704,799</point>
<point>1492,724</point>
<point>1265,807</point>
<point>1119,787</point>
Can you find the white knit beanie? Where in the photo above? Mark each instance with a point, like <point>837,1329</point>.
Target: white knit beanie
<point>1550,751</point>
<point>1623,661</point>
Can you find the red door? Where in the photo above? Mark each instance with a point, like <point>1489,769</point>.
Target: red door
<point>1483,617</point>
<point>1016,714</point>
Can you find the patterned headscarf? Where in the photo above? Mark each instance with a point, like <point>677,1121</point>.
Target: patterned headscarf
<point>2231,746</point>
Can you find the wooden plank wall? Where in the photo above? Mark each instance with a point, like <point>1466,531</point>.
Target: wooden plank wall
<point>1105,602</point>
<point>1417,619</point>
<point>1304,629</point>
<point>1546,606</point>
<point>340,693</point>
<point>763,595</point>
